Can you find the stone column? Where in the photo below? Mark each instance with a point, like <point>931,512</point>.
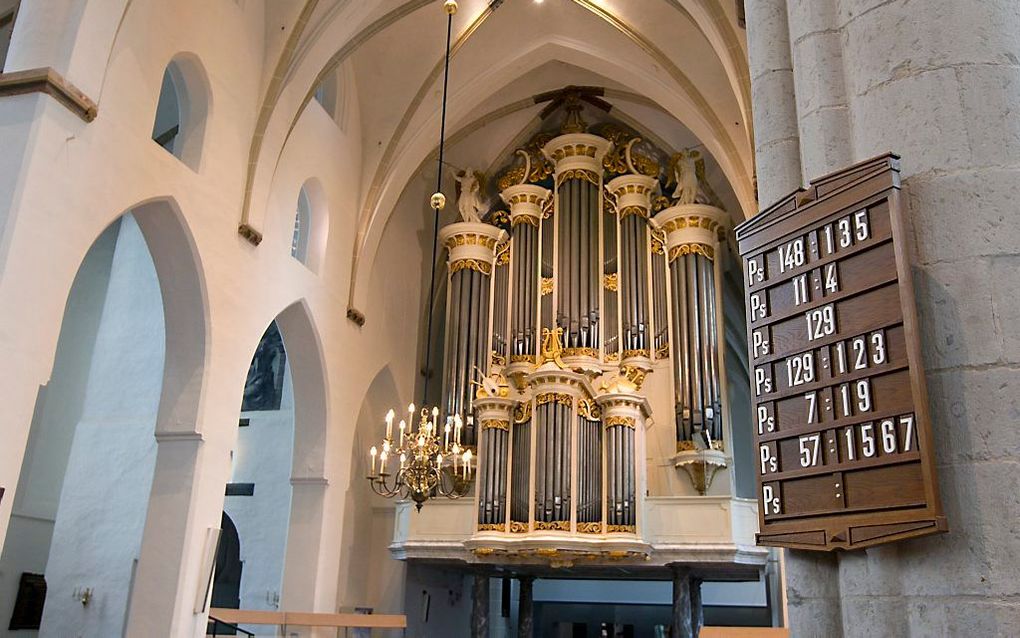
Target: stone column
<point>682,603</point>
<point>776,137</point>
<point>480,607</point>
<point>821,92</point>
<point>697,612</point>
<point>526,607</point>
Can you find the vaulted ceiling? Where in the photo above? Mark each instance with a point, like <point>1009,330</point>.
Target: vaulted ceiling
<point>676,68</point>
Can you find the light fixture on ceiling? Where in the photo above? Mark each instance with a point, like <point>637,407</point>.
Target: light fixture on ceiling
<point>426,459</point>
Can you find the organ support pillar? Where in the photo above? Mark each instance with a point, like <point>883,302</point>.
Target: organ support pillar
<point>692,241</point>
<point>471,253</point>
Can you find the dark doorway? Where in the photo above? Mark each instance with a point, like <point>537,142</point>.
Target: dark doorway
<point>226,593</point>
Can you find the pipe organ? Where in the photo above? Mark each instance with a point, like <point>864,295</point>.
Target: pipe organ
<point>597,279</point>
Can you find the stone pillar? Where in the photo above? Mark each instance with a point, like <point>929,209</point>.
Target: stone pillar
<point>682,603</point>
<point>697,612</point>
<point>776,137</point>
<point>480,607</point>
<point>526,607</point>
<point>822,108</point>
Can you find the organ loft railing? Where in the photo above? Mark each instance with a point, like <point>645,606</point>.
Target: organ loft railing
<point>604,271</point>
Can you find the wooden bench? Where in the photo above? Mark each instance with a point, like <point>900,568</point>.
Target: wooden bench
<point>308,619</point>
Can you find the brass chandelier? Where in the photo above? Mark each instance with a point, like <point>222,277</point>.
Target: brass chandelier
<point>424,462</point>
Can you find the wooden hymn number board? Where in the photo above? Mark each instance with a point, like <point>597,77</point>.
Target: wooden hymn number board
<point>840,410</point>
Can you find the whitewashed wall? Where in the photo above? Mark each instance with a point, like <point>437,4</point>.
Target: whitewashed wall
<point>62,181</point>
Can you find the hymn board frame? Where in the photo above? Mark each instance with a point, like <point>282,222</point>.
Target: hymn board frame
<point>833,325</point>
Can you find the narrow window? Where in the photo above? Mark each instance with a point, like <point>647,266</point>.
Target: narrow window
<point>166,129</point>
<point>302,228</point>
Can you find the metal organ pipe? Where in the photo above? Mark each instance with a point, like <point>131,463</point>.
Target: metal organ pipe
<point>692,237</point>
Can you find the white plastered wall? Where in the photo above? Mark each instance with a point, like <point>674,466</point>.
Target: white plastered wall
<point>62,181</point>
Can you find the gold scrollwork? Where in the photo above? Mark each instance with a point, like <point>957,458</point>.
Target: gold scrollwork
<point>589,409</point>
<point>578,173</point>
<point>496,424</point>
<point>524,219</point>
<point>663,352</point>
<point>634,374</point>
<point>628,354</point>
<point>692,221</point>
<point>688,446</point>
<point>523,358</point>
<point>503,254</point>
<point>518,527</point>
<point>619,421</point>
<point>627,211</point>
<point>483,267</point>
<point>558,526</point>
<point>580,352</point>
<point>626,529</point>
<point>522,412</point>
<point>589,528</point>
<point>554,397</point>
<point>498,359</point>
<point>612,357</point>
<point>691,249</point>
<point>547,286</point>
<point>611,282</point>
<point>491,527</point>
<point>536,166</point>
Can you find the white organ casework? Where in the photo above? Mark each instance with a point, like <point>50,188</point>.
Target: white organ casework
<point>584,338</point>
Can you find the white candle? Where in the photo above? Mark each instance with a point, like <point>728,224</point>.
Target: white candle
<point>446,435</point>
<point>403,459</point>
<point>373,452</point>
<point>382,462</point>
<point>410,417</point>
<point>389,424</point>
<point>403,427</point>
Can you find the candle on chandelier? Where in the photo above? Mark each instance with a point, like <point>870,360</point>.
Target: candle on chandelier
<point>382,462</point>
<point>467,463</point>
<point>410,416</point>
<point>403,427</point>
<point>446,433</point>
<point>403,459</point>
<point>389,424</point>
<point>456,429</point>
<point>373,452</point>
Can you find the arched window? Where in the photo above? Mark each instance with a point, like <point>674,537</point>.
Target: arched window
<point>182,109</point>
<point>167,127</point>
<point>302,228</point>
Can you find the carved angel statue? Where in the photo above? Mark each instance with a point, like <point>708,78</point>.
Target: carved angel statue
<point>469,195</point>
<point>686,175</point>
